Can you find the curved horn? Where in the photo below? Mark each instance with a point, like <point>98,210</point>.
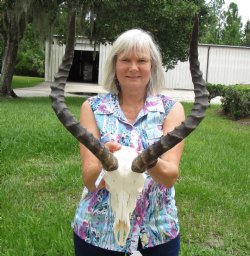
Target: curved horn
<point>148,157</point>
<point>107,159</point>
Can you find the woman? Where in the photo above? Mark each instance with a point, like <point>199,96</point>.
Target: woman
<point>133,114</point>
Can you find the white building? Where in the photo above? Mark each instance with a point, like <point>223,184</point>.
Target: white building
<point>220,64</point>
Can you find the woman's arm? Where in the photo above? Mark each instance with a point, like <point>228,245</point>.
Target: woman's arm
<point>91,166</point>
<point>166,170</point>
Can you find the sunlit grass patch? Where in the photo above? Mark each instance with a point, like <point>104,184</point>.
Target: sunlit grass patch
<point>25,81</point>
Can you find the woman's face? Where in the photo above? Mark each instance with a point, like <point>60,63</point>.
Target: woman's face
<point>133,70</point>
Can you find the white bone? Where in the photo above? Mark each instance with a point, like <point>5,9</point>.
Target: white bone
<point>124,186</point>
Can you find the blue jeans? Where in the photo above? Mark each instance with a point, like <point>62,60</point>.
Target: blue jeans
<point>170,248</point>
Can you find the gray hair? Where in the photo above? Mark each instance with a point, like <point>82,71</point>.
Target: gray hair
<point>140,41</point>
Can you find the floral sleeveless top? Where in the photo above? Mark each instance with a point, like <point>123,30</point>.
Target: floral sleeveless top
<point>154,219</point>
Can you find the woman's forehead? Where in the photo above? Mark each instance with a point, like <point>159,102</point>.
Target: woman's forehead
<point>135,52</point>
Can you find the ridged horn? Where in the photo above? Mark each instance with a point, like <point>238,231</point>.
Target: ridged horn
<point>109,162</point>
<point>149,156</point>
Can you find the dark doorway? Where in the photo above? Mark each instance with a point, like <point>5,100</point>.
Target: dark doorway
<point>84,67</point>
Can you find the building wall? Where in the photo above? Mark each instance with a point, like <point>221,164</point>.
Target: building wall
<point>180,76</point>
<point>104,51</point>
<point>219,64</point>
<point>53,58</point>
<point>54,53</point>
<point>229,65</point>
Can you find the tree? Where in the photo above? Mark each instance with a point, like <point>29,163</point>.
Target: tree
<point>1,53</point>
<point>169,21</point>
<point>214,25</point>
<point>223,27</point>
<point>14,16</point>
<point>30,56</point>
<point>12,29</point>
<point>246,40</point>
<point>231,33</point>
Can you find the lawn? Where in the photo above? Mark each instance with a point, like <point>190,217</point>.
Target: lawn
<point>41,183</point>
<point>25,81</point>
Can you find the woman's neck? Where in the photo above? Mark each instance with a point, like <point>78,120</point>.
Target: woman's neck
<point>131,105</point>
<point>131,99</point>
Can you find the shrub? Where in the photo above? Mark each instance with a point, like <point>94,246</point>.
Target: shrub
<point>30,56</point>
<point>215,90</point>
<point>236,101</point>
<point>29,63</point>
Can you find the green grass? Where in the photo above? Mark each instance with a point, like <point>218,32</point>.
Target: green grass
<point>41,183</point>
<point>25,81</point>
<point>213,193</point>
<point>243,86</point>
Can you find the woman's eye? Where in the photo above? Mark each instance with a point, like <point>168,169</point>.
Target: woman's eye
<point>143,60</point>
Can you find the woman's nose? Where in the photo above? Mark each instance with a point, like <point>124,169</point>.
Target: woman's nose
<point>133,65</point>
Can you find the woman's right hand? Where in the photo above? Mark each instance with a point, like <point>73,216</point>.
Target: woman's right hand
<point>113,146</point>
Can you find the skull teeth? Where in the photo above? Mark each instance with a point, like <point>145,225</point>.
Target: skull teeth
<point>121,231</point>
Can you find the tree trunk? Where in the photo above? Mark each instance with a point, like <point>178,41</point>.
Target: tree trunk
<point>7,72</point>
<point>12,38</point>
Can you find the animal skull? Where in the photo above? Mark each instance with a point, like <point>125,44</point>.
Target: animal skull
<point>124,186</point>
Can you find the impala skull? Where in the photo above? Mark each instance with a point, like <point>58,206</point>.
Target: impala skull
<point>122,172</point>
<point>124,186</point>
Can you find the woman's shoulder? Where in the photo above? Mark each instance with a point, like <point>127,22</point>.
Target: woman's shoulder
<point>100,100</point>
<point>166,102</point>
<point>166,99</point>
